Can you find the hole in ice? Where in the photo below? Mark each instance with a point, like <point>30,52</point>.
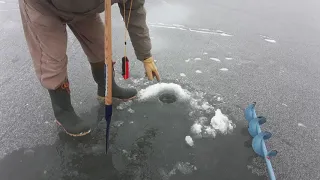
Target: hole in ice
<point>168,97</point>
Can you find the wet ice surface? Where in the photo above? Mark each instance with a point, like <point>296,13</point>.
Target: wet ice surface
<point>280,76</point>
<point>151,142</point>
<point>164,134</point>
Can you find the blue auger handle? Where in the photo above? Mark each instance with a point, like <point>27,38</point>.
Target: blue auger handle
<point>258,142</point>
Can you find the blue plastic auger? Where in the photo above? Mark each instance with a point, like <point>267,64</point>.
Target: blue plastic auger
<point>258,142</point>
<point>254,125</point>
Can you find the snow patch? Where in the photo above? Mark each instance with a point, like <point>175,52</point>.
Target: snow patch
<point>202,120</point>
<point>196,128</point>
<point>189,140</point>
<point>182,75</point>
<point>118,123</point>
<point>223,69</point>
<point>202,31</point>
<point>131,110</point>
<point>197,59</point>
<point>160,25</point>
<point>201,105</point>
<point>225,34</point>
<point>187,60</point>
<point>301,125</point>
<point>209,131</point>
<point>219,123</point>
<point>215,59</point>
<point>198,103</point>
<point>206,106</point>
<point>270,40</point>
<point>198,71</point>
<point>228,58</point>
<point>146,83</point>
<point>136,81</point>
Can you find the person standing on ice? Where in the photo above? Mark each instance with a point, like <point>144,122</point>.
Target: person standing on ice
<point>44,24</point>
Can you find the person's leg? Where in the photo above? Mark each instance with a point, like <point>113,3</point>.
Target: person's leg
<point>46,38</point>
<point>90,33</point>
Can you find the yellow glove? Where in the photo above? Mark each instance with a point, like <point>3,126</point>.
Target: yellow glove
<point>151,69</point>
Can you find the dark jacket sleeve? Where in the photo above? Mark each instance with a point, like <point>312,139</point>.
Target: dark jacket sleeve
<point>138,29</point>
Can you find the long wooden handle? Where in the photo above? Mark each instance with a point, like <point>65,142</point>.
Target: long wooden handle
<point>108,52</point>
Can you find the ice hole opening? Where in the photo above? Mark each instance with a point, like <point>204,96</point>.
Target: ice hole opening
<point>168,97</point>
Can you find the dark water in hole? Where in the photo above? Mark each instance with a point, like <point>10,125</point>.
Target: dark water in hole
<point>168,97</point>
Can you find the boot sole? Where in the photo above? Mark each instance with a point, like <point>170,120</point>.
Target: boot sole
<point>71,134</point>
<point>101,99</point>
<point>127,99</point>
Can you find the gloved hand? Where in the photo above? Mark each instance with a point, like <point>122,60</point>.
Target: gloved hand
<point>151,69</point>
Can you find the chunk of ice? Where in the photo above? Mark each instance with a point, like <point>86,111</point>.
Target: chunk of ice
<point>189,140</point>
<point>221,122</point>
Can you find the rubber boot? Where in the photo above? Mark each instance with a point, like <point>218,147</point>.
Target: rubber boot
<point>117,91</point>
<point>64,112</point>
